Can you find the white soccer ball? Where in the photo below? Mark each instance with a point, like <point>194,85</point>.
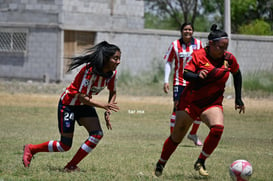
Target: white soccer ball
<point>240,170</point>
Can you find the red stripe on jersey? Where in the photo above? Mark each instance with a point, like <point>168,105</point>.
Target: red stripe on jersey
<point>181,54</point>
<point>86,83</point>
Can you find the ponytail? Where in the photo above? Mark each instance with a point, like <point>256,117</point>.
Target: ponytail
<point>216,34</point>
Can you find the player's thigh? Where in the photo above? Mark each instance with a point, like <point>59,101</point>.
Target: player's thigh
<point>213,116</point>
<point>90,123</point>
<point>87,116</point>
<point>182,124</point>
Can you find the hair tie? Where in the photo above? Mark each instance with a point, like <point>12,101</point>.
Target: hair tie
<point>224,37</point>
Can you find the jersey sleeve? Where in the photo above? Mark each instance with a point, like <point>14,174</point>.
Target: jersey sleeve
<point>168,57</point>
<point>112,82</point>
<point>232,61</point>
<point>75,86</point>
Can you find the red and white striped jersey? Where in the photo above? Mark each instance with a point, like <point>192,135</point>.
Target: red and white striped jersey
<point>87,83</point>
<point>181,54</point>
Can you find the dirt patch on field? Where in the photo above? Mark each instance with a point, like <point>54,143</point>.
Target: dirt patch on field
<point>48,100</point>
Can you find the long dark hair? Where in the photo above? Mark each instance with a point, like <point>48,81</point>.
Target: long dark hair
<point>95,57</point>
<point>216,34</point>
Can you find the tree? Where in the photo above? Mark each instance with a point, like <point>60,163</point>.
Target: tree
<point>178,10</point>
<point>203,13</point>
<point>243,13</point>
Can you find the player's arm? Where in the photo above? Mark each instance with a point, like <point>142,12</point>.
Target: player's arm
<point>112,96</point>
<point>86,100</point>
<point>237,80</point>
<point>194,77</point>
<point>168,68</point>
<point>107,113</point>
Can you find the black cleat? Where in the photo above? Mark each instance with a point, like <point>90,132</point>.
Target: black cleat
<point>200,167</point>
<point>159,169</point>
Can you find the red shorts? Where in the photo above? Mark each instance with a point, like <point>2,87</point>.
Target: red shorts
<point>194,110</point>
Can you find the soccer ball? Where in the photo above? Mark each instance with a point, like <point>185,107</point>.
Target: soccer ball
<point>240,170</point>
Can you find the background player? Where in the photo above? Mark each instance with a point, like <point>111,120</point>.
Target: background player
<point>77,103</point>
<point>180,52</point>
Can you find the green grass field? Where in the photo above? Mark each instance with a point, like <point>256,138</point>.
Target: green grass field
<point>131,149</point>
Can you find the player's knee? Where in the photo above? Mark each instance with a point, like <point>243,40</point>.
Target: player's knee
<point>66,143</point>
<point>217,130</point>
<point>97,134</point>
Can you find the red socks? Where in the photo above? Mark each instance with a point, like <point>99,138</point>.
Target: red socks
<point>195,127</point>
<point>167,150</point>
<point>86,148</point>
<point>211,141</point>
<point>49,146</point>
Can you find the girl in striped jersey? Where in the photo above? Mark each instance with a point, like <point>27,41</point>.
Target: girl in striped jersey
<point>180,52</point>
<point>77,103</point>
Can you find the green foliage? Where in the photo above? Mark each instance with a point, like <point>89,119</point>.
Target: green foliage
<point>258,84</point>
<point>201,24</point>
<point>241,11</point>
<point>247,16</point>
<point>155,22</point>
<point>256,27</point>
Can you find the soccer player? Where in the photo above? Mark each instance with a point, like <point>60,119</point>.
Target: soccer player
<point>180,52</point>
<point>77,103</point>
<point>207,74</point>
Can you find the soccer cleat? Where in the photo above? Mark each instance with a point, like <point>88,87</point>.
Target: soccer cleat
<point>200,167</point>
<point>195,139</point>
<point>159,169</point>
<point>71,168</point>
<point>27,156</point>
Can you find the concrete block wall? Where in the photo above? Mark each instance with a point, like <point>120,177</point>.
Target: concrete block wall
<point>143,49</point>
<point>254,53</point>
<point>103,14</point>
<point>42,57</point>
<point>30,11</point>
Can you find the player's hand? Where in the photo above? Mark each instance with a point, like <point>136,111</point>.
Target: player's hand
<point>203,74</point>
<point>111,107</point>
<point>166,88</point>
<point>107,119</point>
<point>240,105</point>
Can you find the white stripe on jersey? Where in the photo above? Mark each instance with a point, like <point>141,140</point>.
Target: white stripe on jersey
<point>178,63</point>
<point>84,81</point>
<point>93,78</point>
<point>65,92</point>
<point>75,98</point>
<point>100,82</point>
